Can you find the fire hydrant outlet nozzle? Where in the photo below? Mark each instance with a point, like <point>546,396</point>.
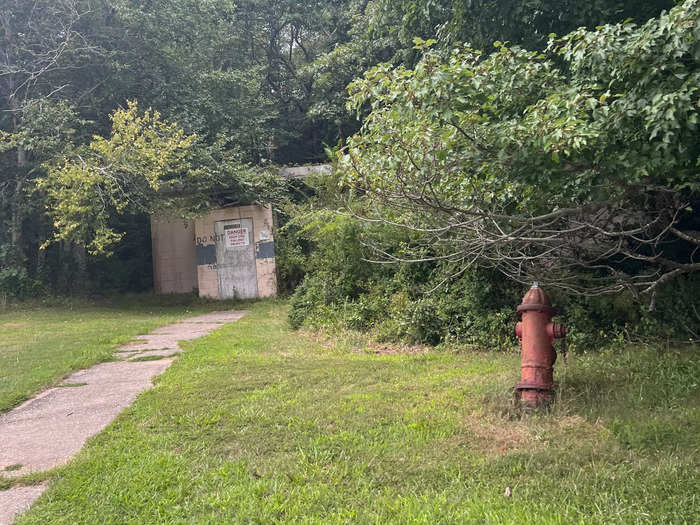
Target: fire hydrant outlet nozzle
<point>537,334</point>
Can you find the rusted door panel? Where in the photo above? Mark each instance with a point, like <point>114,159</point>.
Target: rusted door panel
<point>235,256</point>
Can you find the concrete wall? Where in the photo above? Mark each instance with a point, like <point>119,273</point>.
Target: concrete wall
<point>184,253</point>
<point>174,269</point>
<point>299,172</point>
<point>205,248</point>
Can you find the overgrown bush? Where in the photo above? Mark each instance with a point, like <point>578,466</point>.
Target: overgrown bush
<point>575,166</point>
<point>477,309</point>
<point>15,282</point>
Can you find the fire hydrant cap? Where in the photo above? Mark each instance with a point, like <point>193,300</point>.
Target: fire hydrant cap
<point>536,299</point>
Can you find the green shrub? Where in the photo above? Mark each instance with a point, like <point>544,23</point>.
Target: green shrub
<point>15,282</point>
<point>304,301</point>
<point>477,309</point>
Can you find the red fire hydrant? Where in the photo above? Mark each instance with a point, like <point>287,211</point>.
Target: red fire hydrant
<point>537,334</point>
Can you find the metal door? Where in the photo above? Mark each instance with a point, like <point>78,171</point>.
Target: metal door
<point>235,259</point>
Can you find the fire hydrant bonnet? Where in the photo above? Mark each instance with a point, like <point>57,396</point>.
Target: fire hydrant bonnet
<point>536,299</point>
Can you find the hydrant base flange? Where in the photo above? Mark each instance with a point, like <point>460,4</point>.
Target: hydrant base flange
<point>534,386</point>
<point>534,396</point>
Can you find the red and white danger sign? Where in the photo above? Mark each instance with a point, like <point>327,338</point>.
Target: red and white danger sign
<point>236,237</point>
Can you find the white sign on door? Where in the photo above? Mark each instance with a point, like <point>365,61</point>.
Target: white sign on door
<point>235,237</point>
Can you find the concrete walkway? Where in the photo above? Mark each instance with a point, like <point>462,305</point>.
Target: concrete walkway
<point>47,431</point>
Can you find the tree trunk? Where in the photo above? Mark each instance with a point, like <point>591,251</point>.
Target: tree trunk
<point>16,227</point>
<point>40,261</point>
<point>80,275</point>
<point>16,204</point>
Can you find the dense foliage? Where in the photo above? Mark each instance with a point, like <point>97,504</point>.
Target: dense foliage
<point>576,166</point>
<point>412,302</point>
<point>233,74</point>
<point>561,167</point>
<point>223,91</point>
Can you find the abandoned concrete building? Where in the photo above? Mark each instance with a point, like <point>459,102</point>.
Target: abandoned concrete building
<point>227,253</point>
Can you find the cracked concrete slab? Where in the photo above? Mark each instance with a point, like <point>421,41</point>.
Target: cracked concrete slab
<point>155,353</point>
<point>228,316</point>
<point>48,430</point>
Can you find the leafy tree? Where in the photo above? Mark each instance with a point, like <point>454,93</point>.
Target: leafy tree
<point>528,23</point>
<point>35,41</point>
<point>190,60</point>
<point>145,166</point>
<point>88,185</point>
<point>378,31</point>
<point>577,168</point>
<point>237,72</point>
<point>46,59</point>
<point>257,81</point>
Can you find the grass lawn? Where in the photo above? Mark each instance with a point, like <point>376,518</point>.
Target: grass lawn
<point>257,424</point>
<point>41,344</point>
